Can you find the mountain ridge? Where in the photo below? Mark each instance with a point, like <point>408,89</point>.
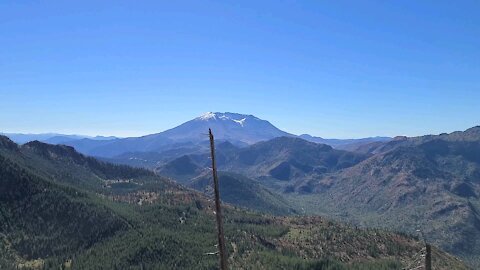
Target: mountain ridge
<point>428,182</point>
<point>278,162</point>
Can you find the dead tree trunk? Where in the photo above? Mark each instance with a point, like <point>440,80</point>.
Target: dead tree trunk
<point>428,257</point>
<point>218,209</point>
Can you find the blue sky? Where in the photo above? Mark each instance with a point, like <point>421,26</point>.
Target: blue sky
<point>342,69</point>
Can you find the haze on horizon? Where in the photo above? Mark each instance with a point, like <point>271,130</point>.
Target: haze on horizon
<point>342,69</point>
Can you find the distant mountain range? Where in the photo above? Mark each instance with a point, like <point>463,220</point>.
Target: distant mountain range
<point>52,138</point>
<point>239,129</point>
<point>345,144</point>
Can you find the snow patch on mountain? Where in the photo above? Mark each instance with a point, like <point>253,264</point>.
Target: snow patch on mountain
<point>240,122</point>
<point>237,118</point>
<point>208,116</point>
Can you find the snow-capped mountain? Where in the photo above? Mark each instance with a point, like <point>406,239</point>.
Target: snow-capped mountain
<point>191,136</point>
<point>240,129</point>
<point>234,127</point>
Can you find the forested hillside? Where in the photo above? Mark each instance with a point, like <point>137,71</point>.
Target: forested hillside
<point>429,183</point>
<point>51,219</point>
<point>244,192</point>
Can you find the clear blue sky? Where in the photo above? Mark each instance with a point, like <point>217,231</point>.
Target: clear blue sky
<point>329,68</point>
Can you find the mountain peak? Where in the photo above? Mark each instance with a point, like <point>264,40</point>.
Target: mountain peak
<point>52,151</point>
<point>239,119</point>
<point>207,116</point>
<point>5,142</point>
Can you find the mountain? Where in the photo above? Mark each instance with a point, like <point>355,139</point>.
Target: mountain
<point>431,183</point>
<point>277,163</point>
<point>236,189</point>
<point>87,145</point>
<point>282,161</point>
<point>63,139</point>
<point>247,172</point>
<point>63,165</point>
<point>51,138</point>
<point>241,191</point>
<point>239,129</point>
<point>233,127</point>
<point>288,158</point>
<point>469,135</point>
<point>60,209</point>
<point>345,144</point>
<point>21,138</point>
<point>182,169</point>
<point>188,138</point>
<point>186,167</point>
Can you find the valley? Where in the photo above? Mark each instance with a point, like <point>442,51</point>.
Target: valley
<point>57,218</point>
<point>425,185</point>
